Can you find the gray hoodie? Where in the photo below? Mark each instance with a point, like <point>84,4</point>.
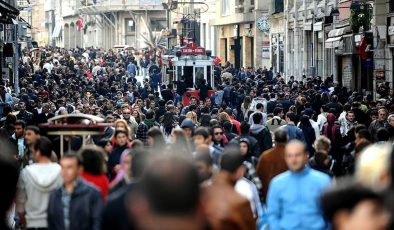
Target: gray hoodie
<point>256,129</point>
<point>35,184</point>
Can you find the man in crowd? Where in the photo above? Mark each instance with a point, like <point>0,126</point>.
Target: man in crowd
<point>76,204</point>
<point>296,210</point>
<point>272,162</point>
<point>224,207</point>
<point>35,185</point>
<point>31,135</point>
<point>379,123</point>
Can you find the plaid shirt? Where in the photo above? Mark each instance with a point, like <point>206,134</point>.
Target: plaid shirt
<point>251,175</point>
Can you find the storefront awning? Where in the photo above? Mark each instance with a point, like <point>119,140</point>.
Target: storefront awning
<point>318,26</point>
<point>333,42</point>
<point>7,12</point>
<point>338,32</point>
<point>56,30</point>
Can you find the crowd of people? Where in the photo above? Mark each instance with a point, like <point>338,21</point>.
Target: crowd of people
<point>261,153</point>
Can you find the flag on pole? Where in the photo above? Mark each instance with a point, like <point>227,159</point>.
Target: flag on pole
<point>80,23</point>
<point>362,47</point>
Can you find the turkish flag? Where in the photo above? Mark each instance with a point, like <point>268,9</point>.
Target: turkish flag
<point>80,23</point>
<point>362,47</point>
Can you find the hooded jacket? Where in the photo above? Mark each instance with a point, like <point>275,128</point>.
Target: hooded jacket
<point>263,137</point>
<point>35,185</point>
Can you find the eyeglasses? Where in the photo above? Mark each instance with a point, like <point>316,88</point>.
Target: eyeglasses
<point>127,113</point>
<point>220,133</point>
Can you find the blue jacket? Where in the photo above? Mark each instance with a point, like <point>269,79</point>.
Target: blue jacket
<point>294,133</point>
<point>85,208</point>
<point>293,200</point>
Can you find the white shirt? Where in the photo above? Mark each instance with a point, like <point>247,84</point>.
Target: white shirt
<point>321,120</point>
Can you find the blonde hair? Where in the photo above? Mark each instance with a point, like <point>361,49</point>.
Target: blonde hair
<point>322,143</point>
<point>192,116</point>
<point>126,126</point>
<point>373,165</point>
<point>223,116</point>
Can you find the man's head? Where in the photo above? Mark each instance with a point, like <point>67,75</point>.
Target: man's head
<point>231,161</point>
<point>280,136</point>
<point>31,135</point>
<point>362,135</point>
<point>71,167</point>
<point>382,114</point>
<point>42,149</point>
<point>390,120</point>
<point>170,186</point>
<point>259,107</point>
<point>22,107</point>
<point>19,128</point>
<point>350,116</point>
<point>278,112</point>
<point>193,101</point>
<point>188,126</point>
<point>201,136</point>
<point>203,162</point>
<point>348,205</point>
<point>126,113</point>
<point>296,156</point>
<point>217,134</point>
<point>257,118</point>
<point>290,117</point>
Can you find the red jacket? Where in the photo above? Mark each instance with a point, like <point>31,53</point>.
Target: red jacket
<point>99,181</point>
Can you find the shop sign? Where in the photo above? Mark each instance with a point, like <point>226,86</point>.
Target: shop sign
<point>192,49</point>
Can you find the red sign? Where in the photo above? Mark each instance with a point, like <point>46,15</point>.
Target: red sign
<point>192,49</point>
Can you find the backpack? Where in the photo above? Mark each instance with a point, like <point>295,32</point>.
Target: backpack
<point>333,131</point>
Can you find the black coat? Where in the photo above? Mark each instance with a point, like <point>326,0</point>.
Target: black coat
<point>86,205</point>
<point>115,214</point>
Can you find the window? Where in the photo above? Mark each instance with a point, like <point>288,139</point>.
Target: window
<point>225,7</point>
<point>278,6</point>
<point>391,6</point>
<point>158,24</point>
<point>130,25</point>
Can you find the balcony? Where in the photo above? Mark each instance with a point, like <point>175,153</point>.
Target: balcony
<point>104,6</point>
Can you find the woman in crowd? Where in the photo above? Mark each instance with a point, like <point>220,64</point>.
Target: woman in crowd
<point>121,144</point>
<point>94,168</point>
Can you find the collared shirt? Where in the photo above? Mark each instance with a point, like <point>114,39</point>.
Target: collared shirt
<point>66,200</point>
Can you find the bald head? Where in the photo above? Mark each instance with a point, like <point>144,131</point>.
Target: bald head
<point>296,155</point>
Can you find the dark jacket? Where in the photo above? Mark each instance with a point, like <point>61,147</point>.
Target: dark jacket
<point>115,214</point>
<point>86,205</point>
<point>263,137</point>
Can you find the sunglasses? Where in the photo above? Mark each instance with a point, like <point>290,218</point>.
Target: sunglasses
<point>218,133</point>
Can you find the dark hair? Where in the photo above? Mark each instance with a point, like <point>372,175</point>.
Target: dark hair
<point>304,122</point>
<point>168,122</point>
<point>73,155</point>
<point>33,128</point>
<point>93,159</point>
<point>139,160</point>
<point>245,127</point>
<point>257,117</point>
<point>359,127</point>
<point>277,111</point>
<point>259,106</point>
<point>150,114</point>
<point>364,133</point>
<point>383,134</point>
<point>203,156</point>
<point>291,116</point>
<point>157,136</point>
<point>103,142</point>
<point>44,145</point>
<point>20,123</point>
<point>171,185</point>
<point>227,126</point>
<point>231,159</point>
<point>345,196</point>
<point>118,131</point>
<point>202,131</point>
